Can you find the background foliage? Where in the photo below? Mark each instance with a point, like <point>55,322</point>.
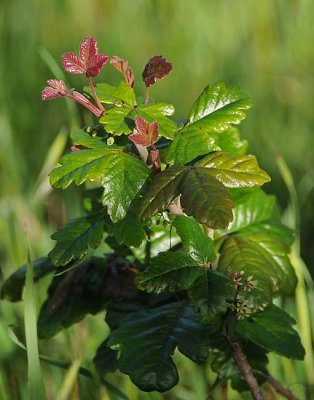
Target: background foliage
<point>263,47</point>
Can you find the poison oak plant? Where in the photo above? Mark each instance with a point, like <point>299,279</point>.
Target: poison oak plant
<point>191,251</point>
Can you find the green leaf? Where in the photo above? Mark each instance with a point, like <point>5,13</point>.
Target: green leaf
<point>74,239</point>
<point>260,254</point>
<point>80,137</point>
<point>195,242</point>
<point>123,95</point>
<point>251,208</point>
<point>159,112</point>
<point>205,198</point>
<point>160,192</point>
<point>80,166</point>
<point>218,106</point>
<point>105,359</point>
<point>234,172</point>
<point>122,181</point>
<point>272,330</point>
<point>128,231</point>
<point>87,288</point>
<point>146,341</point>
<point>191,143</point>
<point>118,120</point>
<point>12,288</point>
<point>202,196</point>
<point>169,271</point>
<point>210,294</point>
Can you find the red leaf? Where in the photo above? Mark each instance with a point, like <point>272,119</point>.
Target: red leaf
<point>88,62</point>
<point>54,90</point>
<point>156,68</point>
<point>73,63</point>
<point>154,160</point>
<point>145,134</point>
<point>130,76</point>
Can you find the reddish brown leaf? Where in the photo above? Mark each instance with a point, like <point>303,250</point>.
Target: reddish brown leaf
<point>54,90</point>
<point>88,62</point>
<point>144,133</point>
<point>156,68</point>
<point>123,66</point>
<point>154,160</point>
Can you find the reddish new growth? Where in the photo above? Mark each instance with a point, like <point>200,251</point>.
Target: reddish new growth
<point>123,66</point>
<point>146,135</point>
<point>88,62</point>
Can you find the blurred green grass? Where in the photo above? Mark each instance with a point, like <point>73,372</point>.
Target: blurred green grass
<point>265,47</point>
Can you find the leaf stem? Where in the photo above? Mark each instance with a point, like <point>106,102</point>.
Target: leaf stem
<point>90,82</point>
<point>147,95</point>
<point>280,389</point>
<point>245,369</point>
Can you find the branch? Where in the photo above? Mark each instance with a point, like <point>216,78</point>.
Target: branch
<point>280,389</point>
<point>245,369</point>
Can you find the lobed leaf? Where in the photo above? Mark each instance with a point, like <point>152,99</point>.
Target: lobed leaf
<point>146,341</point>
<point>272,330</point>
<point>118,120</point>
<point>122,180</point>
<point>156,68</point>
<point>74,239</point>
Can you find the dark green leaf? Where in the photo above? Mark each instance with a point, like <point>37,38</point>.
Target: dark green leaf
<point>169,271</point>
<point>159,113</point>
<point>85,289</point>
<point>122,181</point>
<point>74,239</point>
<point>205,198</point>
<point>82,165</point>
<point>272,330</point>
<point>234,172</point>
<point>146,341</point>
<point>11,289</point>
<point>218,106</point>
<point>105,359</point>
<point>118,120</point>
<point>160,192</point>
<point>260,254</point>
<point>129,231</point>
<point>195,241</point>
<point>210,294</point>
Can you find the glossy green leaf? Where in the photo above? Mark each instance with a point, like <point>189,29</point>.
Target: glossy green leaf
<point>122,95</point>
<point>12,288</point>
<point>74,239</point>
<point>118,120</point>
<point>252,208</point>
<point>210,294</point>
<point>159,112</point>
<point>195,241</point>
<point>82,138</point>
<point>169,271</point>
<point>218,106</point>
<point>79,166</point>
<point>160,192</point>
<point>192,143</point>
<point>146,341</point>
<point>85,289</point>
<point>128,231</point>
<point>205,198</point>
<point>234,172</point>
<point>272,330</point>
<point>122,181</point>
<point>260,254</point>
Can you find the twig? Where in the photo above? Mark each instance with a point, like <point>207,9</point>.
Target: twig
<point>280,389</point>
<point>245,369</point>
